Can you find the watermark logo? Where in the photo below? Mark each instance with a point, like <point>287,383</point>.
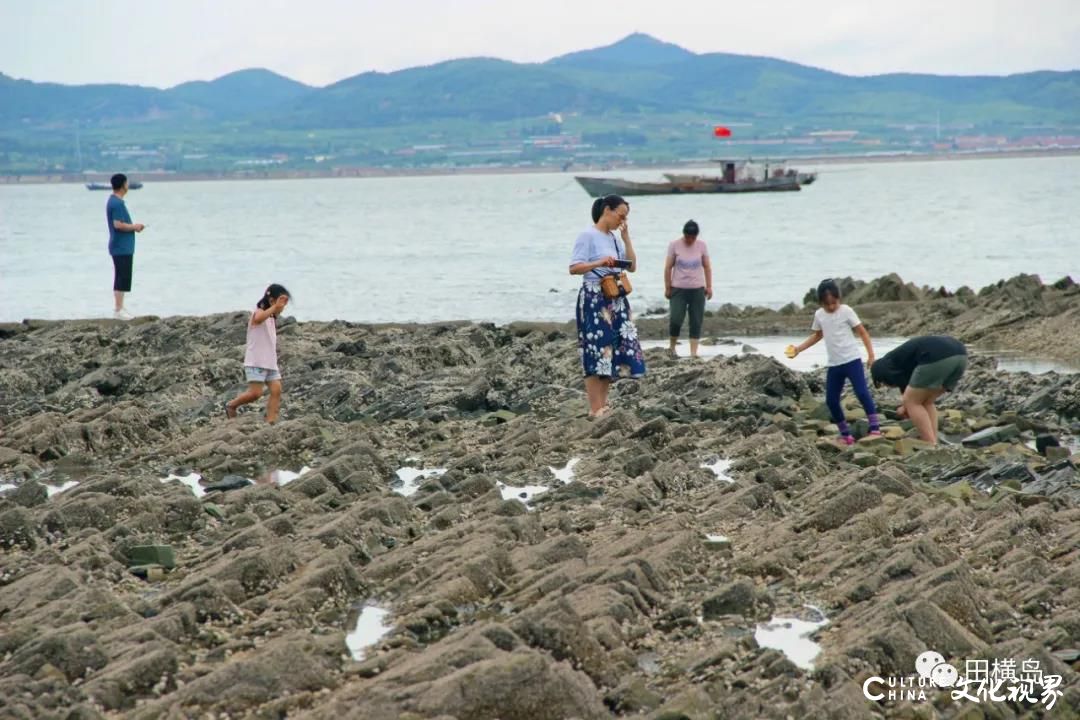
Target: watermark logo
<point>999,680</point>
<point>932,666</point>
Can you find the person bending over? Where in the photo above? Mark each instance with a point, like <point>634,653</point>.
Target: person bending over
<point>923,368</point>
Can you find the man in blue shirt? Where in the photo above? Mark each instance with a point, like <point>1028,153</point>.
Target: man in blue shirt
<point>121,242</point>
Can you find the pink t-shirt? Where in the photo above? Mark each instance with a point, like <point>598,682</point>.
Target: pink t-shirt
<point>261,349</point>
<point>689,269</point>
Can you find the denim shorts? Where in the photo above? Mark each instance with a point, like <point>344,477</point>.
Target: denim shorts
<point>261,375</point>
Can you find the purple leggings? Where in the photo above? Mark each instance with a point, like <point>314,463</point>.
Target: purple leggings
<point>834,386</point>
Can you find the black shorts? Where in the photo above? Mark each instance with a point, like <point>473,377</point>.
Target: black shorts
<point>122,272</point>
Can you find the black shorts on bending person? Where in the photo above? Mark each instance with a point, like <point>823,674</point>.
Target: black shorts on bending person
<point>927,362</point>
<point>122,266</point>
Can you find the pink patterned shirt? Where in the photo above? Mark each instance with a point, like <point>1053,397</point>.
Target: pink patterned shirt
<point>261,349</point>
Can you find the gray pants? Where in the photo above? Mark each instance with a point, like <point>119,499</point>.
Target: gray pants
<point>683,300</point>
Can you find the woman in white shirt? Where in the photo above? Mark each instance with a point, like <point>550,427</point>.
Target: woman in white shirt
<point>607,339</point>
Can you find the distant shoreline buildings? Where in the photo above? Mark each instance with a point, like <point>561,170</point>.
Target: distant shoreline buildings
<point>274,170</point>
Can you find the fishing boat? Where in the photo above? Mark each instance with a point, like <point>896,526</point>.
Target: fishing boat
<point>132,185</point>
<point>745,169</point>
<point>737,177</point>
<point>804,178</point>
<point>598,187</point>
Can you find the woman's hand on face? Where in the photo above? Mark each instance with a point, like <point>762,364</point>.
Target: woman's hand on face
<point>624,230</point>
<point>279,305</point>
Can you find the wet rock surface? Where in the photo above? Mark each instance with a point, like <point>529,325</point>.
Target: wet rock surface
<point>1021,314</point>
<point>599,596</point>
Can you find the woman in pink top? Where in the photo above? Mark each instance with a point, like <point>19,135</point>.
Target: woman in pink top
<point>687,284</point>
<point>260,357</point>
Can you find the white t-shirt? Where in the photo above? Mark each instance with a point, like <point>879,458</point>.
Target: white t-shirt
<point>592,245</point>
<point>841,345</point>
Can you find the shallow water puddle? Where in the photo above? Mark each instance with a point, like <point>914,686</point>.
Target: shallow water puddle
<point>771,346</point>
<point>1070,441</point>
<point>274,477</point>
<point>565,475</point>
<point>715,542</point>
<point>720,468</point>
<point>57,489</point>
<point>649,663</point>
<point>1034,366</point>
<point>774,345</point>
<point>370,628</point>
<point>50,490</point>
<point>524,494</point>
<point>192,481</point>
<point>412,478</point>
<point>791,636</point>
<point>284,477</point>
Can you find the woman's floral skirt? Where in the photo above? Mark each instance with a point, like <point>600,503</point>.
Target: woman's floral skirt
<point>607,339</point>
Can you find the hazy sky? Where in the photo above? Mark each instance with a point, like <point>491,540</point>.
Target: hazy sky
<point>321,41</point>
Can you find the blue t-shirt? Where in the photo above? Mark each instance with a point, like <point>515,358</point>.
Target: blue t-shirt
<point>592,245</point>
<point>120,243</point>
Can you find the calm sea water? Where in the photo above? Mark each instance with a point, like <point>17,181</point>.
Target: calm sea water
<point>497,247</point>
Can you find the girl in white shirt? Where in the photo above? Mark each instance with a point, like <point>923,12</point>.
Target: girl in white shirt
<point>838,324</point>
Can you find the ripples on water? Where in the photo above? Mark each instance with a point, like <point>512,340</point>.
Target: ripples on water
<point>497,247</point>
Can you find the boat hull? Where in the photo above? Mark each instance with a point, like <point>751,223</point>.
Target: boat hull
<point>804,178</point>
<point>598,187</point>
<point>134,185</point>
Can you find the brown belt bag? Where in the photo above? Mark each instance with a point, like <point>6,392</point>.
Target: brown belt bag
<point>614,286</point>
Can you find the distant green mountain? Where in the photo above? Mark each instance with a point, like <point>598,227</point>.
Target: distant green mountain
<point>241,92</point>
<point>29,104</point>
<point>637,75</point>
<point>639,98</point>
<point>482,89</point>
<point>642,75</point>
<point>633,51</point>
<point>734,86</point>
<point>237,95</point>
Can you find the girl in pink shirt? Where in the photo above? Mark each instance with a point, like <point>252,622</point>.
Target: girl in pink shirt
<point>260,357</point>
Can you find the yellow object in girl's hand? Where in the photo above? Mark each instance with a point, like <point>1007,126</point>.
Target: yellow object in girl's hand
<point>790,351</point>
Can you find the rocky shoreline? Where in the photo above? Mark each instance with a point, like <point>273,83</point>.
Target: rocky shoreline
<point>1021,315</point>
<point>633,582</point>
